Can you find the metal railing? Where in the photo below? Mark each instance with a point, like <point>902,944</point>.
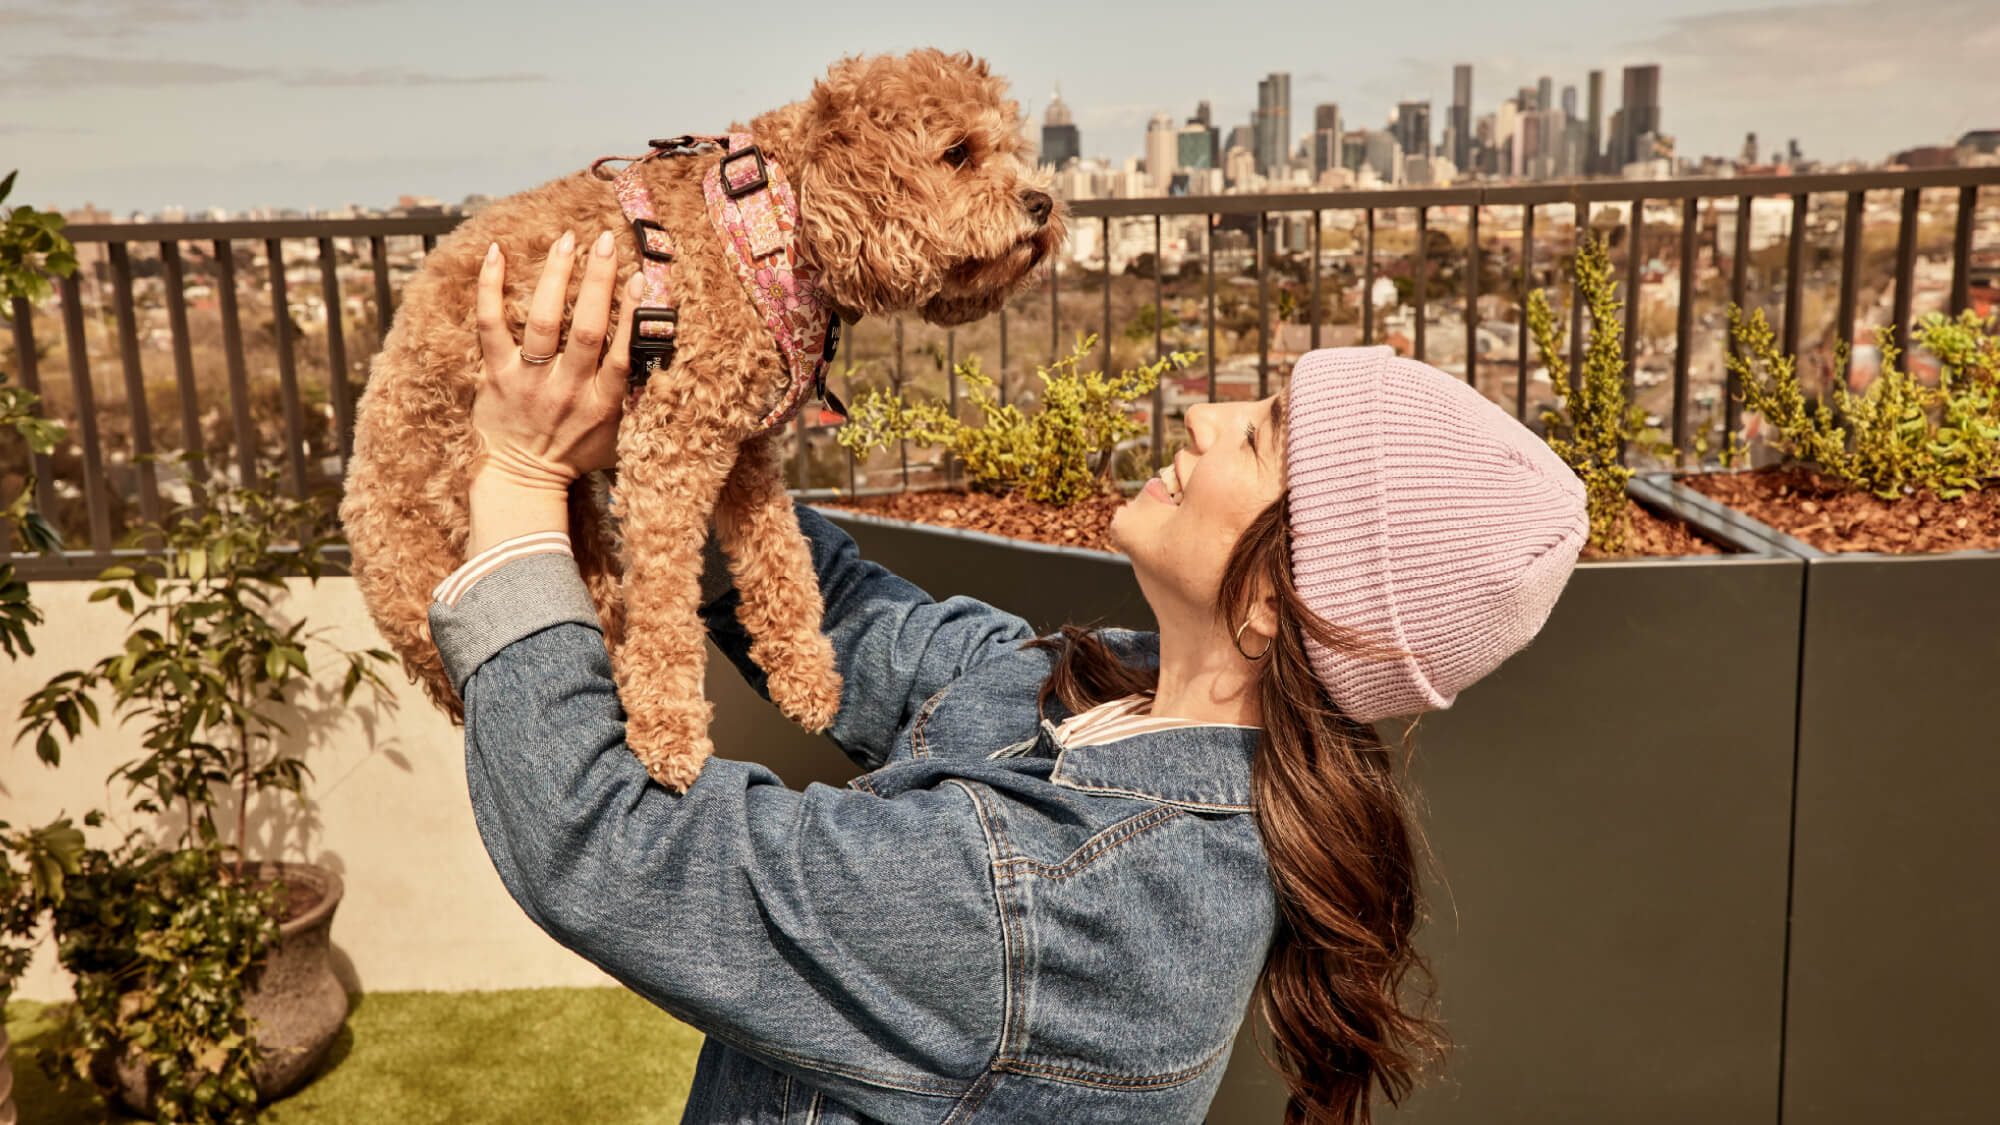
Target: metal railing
<point>320,456</point>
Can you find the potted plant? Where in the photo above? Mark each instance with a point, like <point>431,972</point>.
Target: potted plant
<point>1890,494</point>
<point>179,1010</point>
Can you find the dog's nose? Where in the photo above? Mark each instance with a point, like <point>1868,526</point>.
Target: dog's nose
<point>1039,204</point>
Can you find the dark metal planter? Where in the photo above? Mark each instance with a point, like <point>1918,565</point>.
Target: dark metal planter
<point>1609,813</point>
<point>1893,990</point>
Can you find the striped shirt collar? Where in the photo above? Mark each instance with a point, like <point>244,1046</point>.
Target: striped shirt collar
<point>1117,750</point>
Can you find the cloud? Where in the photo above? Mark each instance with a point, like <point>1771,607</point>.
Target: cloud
<point>72,71</point>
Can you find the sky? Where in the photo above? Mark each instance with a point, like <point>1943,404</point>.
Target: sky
<point>141,104</point>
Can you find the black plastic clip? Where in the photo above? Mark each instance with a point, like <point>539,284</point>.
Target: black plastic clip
<point>652,353</point>
<point>639,229</point>
<point>738,191</point>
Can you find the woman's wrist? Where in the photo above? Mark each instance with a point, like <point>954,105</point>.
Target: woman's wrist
<point>505,506</point>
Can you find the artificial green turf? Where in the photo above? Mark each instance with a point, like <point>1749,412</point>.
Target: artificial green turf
<point>574,1055</point>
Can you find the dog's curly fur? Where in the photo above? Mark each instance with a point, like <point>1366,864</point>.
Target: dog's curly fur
<point>890,218</point>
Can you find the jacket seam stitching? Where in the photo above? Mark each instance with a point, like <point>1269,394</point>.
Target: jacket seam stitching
<point>1115,791</point>
<point>1011,939</point>
<point>1099,844</point>
<point>920,746</point>
<point>1117,1081</point>
<point>915,1084</point>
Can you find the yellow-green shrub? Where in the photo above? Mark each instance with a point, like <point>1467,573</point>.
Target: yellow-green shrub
<point>1056,455</point>
<point>1899,435</point>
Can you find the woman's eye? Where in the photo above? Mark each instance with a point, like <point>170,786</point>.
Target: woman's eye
<point>956,155</point>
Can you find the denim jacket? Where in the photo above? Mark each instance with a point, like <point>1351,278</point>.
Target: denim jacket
<point>985,926</point>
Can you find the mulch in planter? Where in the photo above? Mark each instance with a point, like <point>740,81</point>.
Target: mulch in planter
<point>1084,524</point>
<point>1824,513</point>
<point>1654,536</point>
<point>1088,524</point>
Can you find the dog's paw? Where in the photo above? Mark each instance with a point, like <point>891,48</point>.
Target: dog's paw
<point>803,683</point>
<point>671,746</point>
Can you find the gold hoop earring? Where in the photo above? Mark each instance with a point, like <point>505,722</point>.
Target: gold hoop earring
<point>1261,653</point>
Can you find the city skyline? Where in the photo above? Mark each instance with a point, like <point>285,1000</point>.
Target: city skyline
<point>133,106</point>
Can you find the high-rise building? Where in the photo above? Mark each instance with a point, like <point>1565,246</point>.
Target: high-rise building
<point>1545,93</point>
<point>1272,126</point>
<point>1325,138</point>
<point>1206,119</point>
<point>1385,156</point>
<point>1613,160</point>
<point>1506,123</point>
<point>1569,102</point>
<point>1593,136</point>
<point>1354,149</point>
<point>1413,127</point>
<point>1202,115</point>
<point>1641,113</point>
<point>1162,150</point>
<point>1195,146</point>
<point>1525,100</point>
<point>1060,142</point>
<point>1461,116</point>
<point>1243,137</point>
<point>1749,155</point>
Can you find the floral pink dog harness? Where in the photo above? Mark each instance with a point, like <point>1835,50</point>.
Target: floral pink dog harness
<point>756,214</point>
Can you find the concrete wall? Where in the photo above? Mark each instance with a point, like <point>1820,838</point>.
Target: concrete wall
<point>389,812</point>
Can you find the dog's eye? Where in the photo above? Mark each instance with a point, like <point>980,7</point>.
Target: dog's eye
<point>957,155</point>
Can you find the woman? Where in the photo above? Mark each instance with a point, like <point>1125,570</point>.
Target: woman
<point>1074,861</point>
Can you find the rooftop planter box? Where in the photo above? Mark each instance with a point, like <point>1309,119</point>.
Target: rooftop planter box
<point>1609,810</point>
<point>1895,833</point>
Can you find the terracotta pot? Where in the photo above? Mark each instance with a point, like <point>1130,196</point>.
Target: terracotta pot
<point>298,1005</point>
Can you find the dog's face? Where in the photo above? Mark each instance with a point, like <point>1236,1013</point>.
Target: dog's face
<point>918,189</point>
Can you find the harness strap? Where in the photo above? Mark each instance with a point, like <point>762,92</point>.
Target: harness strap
<point>753,208</point>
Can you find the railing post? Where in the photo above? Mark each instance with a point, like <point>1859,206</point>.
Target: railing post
<point>288,377</point>
<point>1421,275</point>
<point>903,444</point>
<point>239,380</point>
<point>1795,268</point>
<point>336,353</point>
<point>1521,312</point>
<point>1906,259</point>
<point>1368,283</point>
<point>1472,294</point>
<point>135,383</point>
<point>1684,323</point>
<point>1000,379</point>
<point>1739,267</point>
<point>1315,279</point>
<point>1961,249</point>
<point>385,311</point>
<point>31,379</point>
<point>1106,368</point>
<point>94,488</point>
<point>1578,231</point>
<point>1635,257</point>
<point>1263,310</point>
<point>1208,238</point>
<point>1850,281</point>
<point>1159,344</point>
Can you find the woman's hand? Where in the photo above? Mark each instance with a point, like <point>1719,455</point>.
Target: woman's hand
<point>542,425</point>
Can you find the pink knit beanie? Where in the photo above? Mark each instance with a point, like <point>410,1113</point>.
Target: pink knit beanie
<point>1425,520</point>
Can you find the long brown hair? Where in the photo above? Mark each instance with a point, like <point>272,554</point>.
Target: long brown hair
<point>1341,846</point>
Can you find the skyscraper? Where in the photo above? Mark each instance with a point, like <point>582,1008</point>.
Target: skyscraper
<point>1162,150</point>
<point>1545,93</point>
<point>1060,142</point>
<point>1461,116</point>
<point>1326,138</point>
<point>1569,101</point>
<point>1593,138</point>
<point>1641,113</point>
<point>1196,145</point>
<point>1205,121</point>
<point>1272,126</point>
<point>1413,127</point>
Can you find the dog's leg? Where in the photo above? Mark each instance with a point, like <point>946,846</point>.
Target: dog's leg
<point>668,480</point>
<point>781,606</point>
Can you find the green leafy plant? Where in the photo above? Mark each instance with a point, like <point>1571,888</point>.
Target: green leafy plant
<point>1595,421</point>
<point>1899,435</point>
<point>31,249</point>
<point>1057,455</point>
<point>163,941</point>
<point>162,944</point>
<point>206,663</point>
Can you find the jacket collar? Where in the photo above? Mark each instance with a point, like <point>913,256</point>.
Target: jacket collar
<point>1204,768</point>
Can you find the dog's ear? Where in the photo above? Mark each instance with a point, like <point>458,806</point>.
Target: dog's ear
<point>863,225</point>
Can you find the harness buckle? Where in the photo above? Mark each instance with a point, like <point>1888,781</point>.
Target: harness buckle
<point>643,230</point>
<point>738,191</point>
<point>652,353</point>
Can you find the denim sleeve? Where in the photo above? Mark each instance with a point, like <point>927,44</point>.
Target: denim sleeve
<point>895,647</point>
<point>830,929</point>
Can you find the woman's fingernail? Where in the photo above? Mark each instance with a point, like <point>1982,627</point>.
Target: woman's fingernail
<point>635,286</point>
<point>567,244</point>
<point>603,247</point>
<point>492,252</point>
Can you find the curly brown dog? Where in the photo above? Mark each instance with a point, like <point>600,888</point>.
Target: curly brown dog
<point>916,190</point>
